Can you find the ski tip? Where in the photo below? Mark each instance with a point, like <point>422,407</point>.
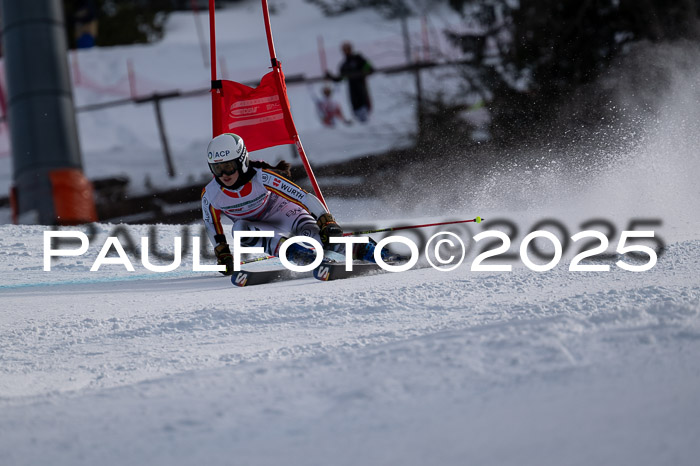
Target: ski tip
<point>239,279</point>
<point>477,219</point>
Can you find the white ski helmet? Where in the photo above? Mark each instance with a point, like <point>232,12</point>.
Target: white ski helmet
<point>227,154</point>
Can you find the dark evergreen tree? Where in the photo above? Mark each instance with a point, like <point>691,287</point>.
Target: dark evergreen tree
<point>549,49</point>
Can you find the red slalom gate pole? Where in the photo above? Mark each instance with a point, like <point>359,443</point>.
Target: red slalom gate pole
<point>284,102</point>
<point>212,40</point>
<point>355,233</point>
<point>215,85</point>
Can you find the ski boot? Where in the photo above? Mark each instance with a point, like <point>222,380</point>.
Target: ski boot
<point>365,252</point>
<point>300,255</point>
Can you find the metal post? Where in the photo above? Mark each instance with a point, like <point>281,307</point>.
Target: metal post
<point>405,34</point>
<point>163,137</point>
<point>156,98</point>
<point>49,184</point>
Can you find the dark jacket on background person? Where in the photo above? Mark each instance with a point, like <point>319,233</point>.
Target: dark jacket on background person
<point>355,69</point>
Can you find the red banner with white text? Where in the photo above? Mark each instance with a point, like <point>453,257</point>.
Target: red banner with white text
<point>256,114</point>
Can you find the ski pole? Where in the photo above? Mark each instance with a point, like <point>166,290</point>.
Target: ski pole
<point>355,233</point>
<point>257,259</point>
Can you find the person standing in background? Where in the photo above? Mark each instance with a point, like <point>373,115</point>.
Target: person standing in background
<point>355,68</point>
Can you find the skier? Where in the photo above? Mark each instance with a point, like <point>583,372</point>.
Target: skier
<point>328,109</point>
<point>257,196</point>
<point>355,69</point>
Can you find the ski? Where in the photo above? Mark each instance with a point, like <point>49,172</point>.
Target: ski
<point>260,277</point>
<point>336,270</point>
<point>333,268</point>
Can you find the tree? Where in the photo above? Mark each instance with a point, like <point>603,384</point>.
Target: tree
<point>548,49</point>
<point>119,22</point>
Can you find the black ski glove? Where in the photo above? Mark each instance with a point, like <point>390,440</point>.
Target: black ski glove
<point>328,228</point>
<point>224,257</point>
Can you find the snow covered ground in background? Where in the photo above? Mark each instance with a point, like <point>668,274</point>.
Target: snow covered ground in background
<point>422,367</point>
<point>124,140</point>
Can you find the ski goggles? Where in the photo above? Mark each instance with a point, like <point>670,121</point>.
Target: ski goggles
<point>224,168</point>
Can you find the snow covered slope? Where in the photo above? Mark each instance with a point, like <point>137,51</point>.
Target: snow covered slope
<point>421,367</point>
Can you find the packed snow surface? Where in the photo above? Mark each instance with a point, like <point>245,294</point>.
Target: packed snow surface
<point>415,368</point>
<point>419,367</point>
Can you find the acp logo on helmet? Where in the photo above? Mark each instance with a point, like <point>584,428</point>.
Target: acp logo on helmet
<point>218,154</point>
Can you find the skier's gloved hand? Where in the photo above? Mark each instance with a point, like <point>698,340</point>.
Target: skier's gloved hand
<point>328,228</point>
<point>224,257</point>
